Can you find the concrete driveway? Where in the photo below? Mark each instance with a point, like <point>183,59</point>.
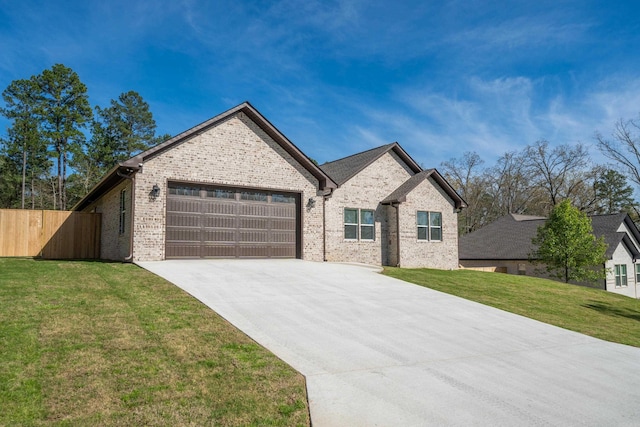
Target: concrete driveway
<point>377,351</point>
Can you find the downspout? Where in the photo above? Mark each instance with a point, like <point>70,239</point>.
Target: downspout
<point>132,178</point>
<point>635,277</point>
<point>325,197</point>
<point>397,207</point>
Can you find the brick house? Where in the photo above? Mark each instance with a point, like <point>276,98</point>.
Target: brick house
<point>505,245</point>
<point>235,186</point>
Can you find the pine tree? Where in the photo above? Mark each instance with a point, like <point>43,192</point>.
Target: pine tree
<point>24,137</point>
<point>63,109</point>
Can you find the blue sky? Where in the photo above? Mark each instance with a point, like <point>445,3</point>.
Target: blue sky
<point>339,77</point>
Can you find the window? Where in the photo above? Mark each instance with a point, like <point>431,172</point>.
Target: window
<point>359,224</point>
<point>621,275</point>
<point>367,227</point>
<point>220,193</point>
<point>435,226</point>
<point>282,198</point>
<point>422,219</point>
<point>637,273</point>
<point>254,196</point>
<point>351,224</point>
<point>123,210</point>
<point>185,190</point>
<point>429,225</point>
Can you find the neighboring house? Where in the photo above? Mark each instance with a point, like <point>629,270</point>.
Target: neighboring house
<point>235,187</point>
<point>505,245</point>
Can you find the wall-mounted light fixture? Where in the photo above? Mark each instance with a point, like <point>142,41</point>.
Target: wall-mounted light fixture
<point>155,191</point>
<point>311,203</point>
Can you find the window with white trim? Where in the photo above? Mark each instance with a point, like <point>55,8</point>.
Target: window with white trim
<point>422,219</point>
<point>351,224</point>
<point>429,226</point>
<point>637,273</point>
<point>123,211</point>
<point>359,224</point>
<point>621,275</point>
<point>367,225</point>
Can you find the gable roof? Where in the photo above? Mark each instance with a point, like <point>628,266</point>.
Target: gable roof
<point>509,237</point>
<point>257,118</point>
<point>399,195</point>
<point>132,165</point>
<point>342,170</point>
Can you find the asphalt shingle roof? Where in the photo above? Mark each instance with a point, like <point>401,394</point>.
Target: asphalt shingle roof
<point>344,169</point>
<point>509,237</point>
<point>400,193</point>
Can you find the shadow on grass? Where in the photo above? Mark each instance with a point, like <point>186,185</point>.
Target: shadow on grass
<point>91,260</point>
<point>611,310</point>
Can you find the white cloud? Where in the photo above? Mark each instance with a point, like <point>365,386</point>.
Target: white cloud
<point>521,32</point>
<point>494,117</point>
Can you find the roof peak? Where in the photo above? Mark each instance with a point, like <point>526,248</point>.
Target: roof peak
<point>520,217</point>
<point>361,152</point>
<point>342,170</point>
<point>399,195</point>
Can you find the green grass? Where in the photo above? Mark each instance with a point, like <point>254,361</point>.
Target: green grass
<point>91,343</point>
<point>592,312</point>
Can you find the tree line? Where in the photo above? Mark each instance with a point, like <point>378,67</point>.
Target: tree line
<point>58,147</point>
<point>534,180</point>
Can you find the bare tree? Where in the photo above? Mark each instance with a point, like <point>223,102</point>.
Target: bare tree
<point>624,147</point>
<point>558,171</point>
<point>468,178</point>
<point>511,186</point>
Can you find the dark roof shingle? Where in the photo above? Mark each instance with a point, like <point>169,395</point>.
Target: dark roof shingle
<point>509,237</point>
<point>399,195</point>
<point>344,169</point>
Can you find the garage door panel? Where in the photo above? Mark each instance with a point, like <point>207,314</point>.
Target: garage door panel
<point>220,236</point>
<point>182,250</point>
<point>218,251</point>
<point>219,221</point>
<point>177,204</point>
<point>253,223</point>
<point>252,209</point>
<point>223,207</point>
<point>179,219</point>
<point>253,251</point>
<point>209,222</point>
<point>283,237</point>
<point>282,211</point>
<point>184,234</point>
<point>253,236</point>
<point>283,224</point>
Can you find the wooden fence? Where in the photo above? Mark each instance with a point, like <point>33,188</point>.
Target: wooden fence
<point>49,234</point>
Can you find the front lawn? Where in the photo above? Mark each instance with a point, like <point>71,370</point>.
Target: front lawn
<point>92,343</point>
<point>592,312</point>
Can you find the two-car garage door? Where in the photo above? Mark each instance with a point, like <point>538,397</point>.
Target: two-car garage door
<point>221,222</point>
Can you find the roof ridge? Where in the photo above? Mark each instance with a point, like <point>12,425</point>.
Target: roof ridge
<point>399,195</point>
<point>524,217</point>
<point>609,214</point>
<point>359,153</point>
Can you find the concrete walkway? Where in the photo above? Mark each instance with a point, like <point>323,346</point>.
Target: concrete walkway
<point>377,351</point>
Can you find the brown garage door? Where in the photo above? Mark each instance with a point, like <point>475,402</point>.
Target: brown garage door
<point>218,222</point>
